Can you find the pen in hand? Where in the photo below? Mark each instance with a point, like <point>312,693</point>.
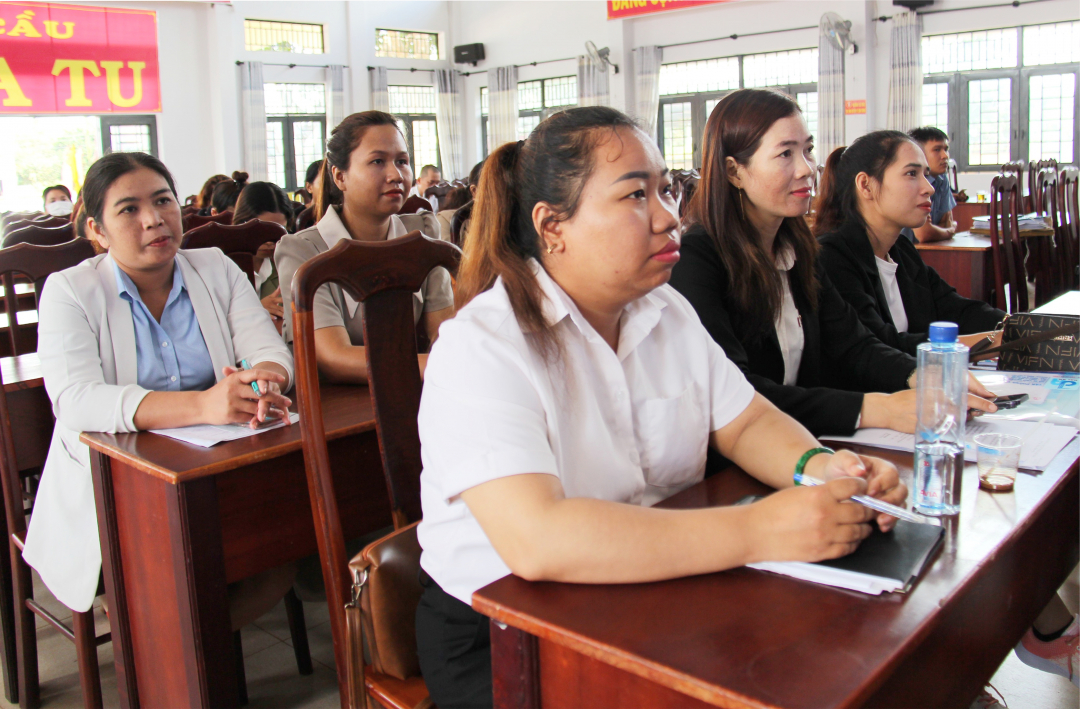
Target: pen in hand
<point>871,502</point>
<point>254,384</point>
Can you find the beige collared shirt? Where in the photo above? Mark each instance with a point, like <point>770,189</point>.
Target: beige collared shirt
<point>789,329</point>
<point>333,307</point>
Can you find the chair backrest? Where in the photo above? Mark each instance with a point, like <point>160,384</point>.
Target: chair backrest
<point>383,276</point>
<point>47,221</point>
<point>306,218</point>
<point>1054,270</point>
<point>240,242</point>
<point>954,179</point>
<point>1017,168</point>
<point>40,235</point>
<point>1069,215</point>
<point>457,223</point>
<point>194,221</point>
<point>10,217</point>
<point>415,204</point>
<point>1005,244</point>
<point>439,191</point>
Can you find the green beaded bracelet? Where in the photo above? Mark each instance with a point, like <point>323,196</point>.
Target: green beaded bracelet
<point>806,459</point>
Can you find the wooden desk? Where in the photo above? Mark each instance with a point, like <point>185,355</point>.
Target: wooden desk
<point>964,212</point>
<point>1065,304</point>
<point>179,522</point>
<point>965,262</point>
<point>747,638</point>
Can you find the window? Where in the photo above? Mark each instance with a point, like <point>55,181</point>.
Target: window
<point>536,101</point>
<point>414,107</point>
<point>39,151</point>
<point>689,91</point>
<point>406,45</point>
<point>295,131</point>
<point>129,134</point>
<point>1004,94</point>
<point>295,37</point>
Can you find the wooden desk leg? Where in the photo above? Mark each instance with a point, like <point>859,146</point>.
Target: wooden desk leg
<point>515,668</point>
<point>176,646</point>
<point>7,619</point>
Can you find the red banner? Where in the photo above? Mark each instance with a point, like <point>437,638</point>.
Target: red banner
<point>633,8</point>
<point>76,59</point>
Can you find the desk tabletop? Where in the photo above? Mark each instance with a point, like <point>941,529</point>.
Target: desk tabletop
<point>1065,304</point>
<point>21,372</point>
<point>347,410</point>
<point>964,241</point>
<point>749,638</point>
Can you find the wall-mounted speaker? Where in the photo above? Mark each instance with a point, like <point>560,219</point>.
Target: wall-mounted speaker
<point>469,53</point>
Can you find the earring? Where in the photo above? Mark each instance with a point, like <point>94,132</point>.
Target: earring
<point>551,249</point>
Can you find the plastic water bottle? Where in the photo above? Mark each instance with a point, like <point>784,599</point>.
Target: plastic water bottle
<point>942,413</point>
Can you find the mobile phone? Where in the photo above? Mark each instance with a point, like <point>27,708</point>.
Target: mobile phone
<point>1011,401</point>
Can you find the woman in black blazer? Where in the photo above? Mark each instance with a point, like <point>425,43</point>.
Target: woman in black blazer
<point>748,263</point>
<point>864,204</point>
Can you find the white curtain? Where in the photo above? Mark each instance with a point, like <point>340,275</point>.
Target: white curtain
<point>502,105</point>
<point>905,72</point>
<point>336,78</point>
<point>830,97</point>
<point>647,62</point>
<point>448,106</point>
<point>380,95</point>
<point>592,82</point>
<point>253,116</point>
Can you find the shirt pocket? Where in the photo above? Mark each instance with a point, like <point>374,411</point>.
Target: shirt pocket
<point>673,434</point>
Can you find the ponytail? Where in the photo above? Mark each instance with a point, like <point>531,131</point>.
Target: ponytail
<point>328,194</point>
<point>829,211</point>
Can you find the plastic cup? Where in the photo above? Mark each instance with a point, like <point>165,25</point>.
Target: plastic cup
<point>998,457</point>
<point>981,197</point>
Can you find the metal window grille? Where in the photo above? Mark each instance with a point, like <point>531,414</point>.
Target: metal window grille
<point>989,127</point>
<point>412,99</point>
<point>1051,114</point>
<point>275,154</point>
<point>969,51</point>
<point>291,99</point>
<point>425,144</point>
<point>808,102</point>
<point>307,147</point>
<point>406,45</point>
<point>678,135</point>
<point>526,125</point>
<point>530,95</point>
<point>935,105</point>
<point>560,91</point>
<point>483,101</point>
<point>798,66</point>
<point>295,37</point>
<point>130,138</point>
<point>1052,44</point>
<point>701,76</point>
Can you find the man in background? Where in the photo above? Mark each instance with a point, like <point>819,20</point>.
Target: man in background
<point>429,177</point>
<point>940,225</point>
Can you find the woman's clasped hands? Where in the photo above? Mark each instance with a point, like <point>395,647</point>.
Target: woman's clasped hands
<point>232,400</point>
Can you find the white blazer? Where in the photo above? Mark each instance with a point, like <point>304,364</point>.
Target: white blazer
<point>86,343</point>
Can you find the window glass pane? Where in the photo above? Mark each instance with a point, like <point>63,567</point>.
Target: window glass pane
<point>1052,44</point>
<point>284,99</point>
<point>989,127</point>
<point>1051,117</point>
<point>781,68</point>
<point>129,139</point>
<point>678,135</point>
<point>935,106</point>
<point>992,49</point>
<point>709,106</point>
<point>526,125</point>
<point>483,101</point>
<point>296,37</point>
<point>696,77</point>
<point>275,152</point>
<point>425,144</point>
<point>530,95</point>
<point>407,45</point>
<point>307,147</point>
<point>412,99</point>
<point>808,102</point>
<point>560,92</point>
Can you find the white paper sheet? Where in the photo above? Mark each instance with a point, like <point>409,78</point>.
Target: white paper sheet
<point>828,576</point>
<point>1041,442</point>
<point>207,435</point>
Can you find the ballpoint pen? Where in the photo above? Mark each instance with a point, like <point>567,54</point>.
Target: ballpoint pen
<point>254,384</point>
<point>871,502</point>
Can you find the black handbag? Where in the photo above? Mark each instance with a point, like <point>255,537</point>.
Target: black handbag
<point>1032,342</point>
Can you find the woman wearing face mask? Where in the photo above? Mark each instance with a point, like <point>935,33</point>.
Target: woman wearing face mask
<point>366,177</point>
<point>266,202</point>
<point>144,336</point>
<point>57,201</point>
<point>870,192</point>
<point>575,388</point>
<point>751,271</point>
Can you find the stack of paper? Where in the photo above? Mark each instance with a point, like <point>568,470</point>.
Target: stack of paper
<point>840,578</point>
<point>1026,222</point>
<point>207,435</point>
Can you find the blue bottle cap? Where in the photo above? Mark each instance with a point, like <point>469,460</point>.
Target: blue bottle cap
<point>943,332</point>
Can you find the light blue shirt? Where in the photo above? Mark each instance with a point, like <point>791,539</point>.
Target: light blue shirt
<point>171,354</point>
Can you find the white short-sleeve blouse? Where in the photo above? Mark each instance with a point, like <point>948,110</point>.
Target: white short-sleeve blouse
<point>630,426</point>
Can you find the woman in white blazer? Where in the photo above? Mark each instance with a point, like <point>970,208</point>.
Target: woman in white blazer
<point>143,337</point>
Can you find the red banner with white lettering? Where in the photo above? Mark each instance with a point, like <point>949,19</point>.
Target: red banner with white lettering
<point>633,8</point>
<point>77,59</point>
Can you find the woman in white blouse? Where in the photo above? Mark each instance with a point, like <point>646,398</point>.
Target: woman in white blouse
<point>576,388</point>
<point>142,337</point>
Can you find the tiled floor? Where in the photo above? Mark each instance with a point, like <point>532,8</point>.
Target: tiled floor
<point>273,681</point>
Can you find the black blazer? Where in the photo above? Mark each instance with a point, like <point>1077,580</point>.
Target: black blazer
<point>841,358</point>
<point>848,258</point>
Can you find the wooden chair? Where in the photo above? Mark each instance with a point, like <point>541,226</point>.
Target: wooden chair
<point>1046,254</point>
<point>1005,244</point>
<point>1017,168</point>
<point>37,263</point>
<point>439,191</point>
<point>954,179</point>
<point>1035,168</point>
<point>415,204</point>
<point>1069,215</point>
<point>383,276</point>
<point>40,234</point>
<point>457,224</point>
<point>240,242</point>
<point>306,218</point>
<point>194,221</point>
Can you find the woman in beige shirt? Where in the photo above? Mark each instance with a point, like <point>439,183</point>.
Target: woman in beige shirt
<point>365,182</point>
